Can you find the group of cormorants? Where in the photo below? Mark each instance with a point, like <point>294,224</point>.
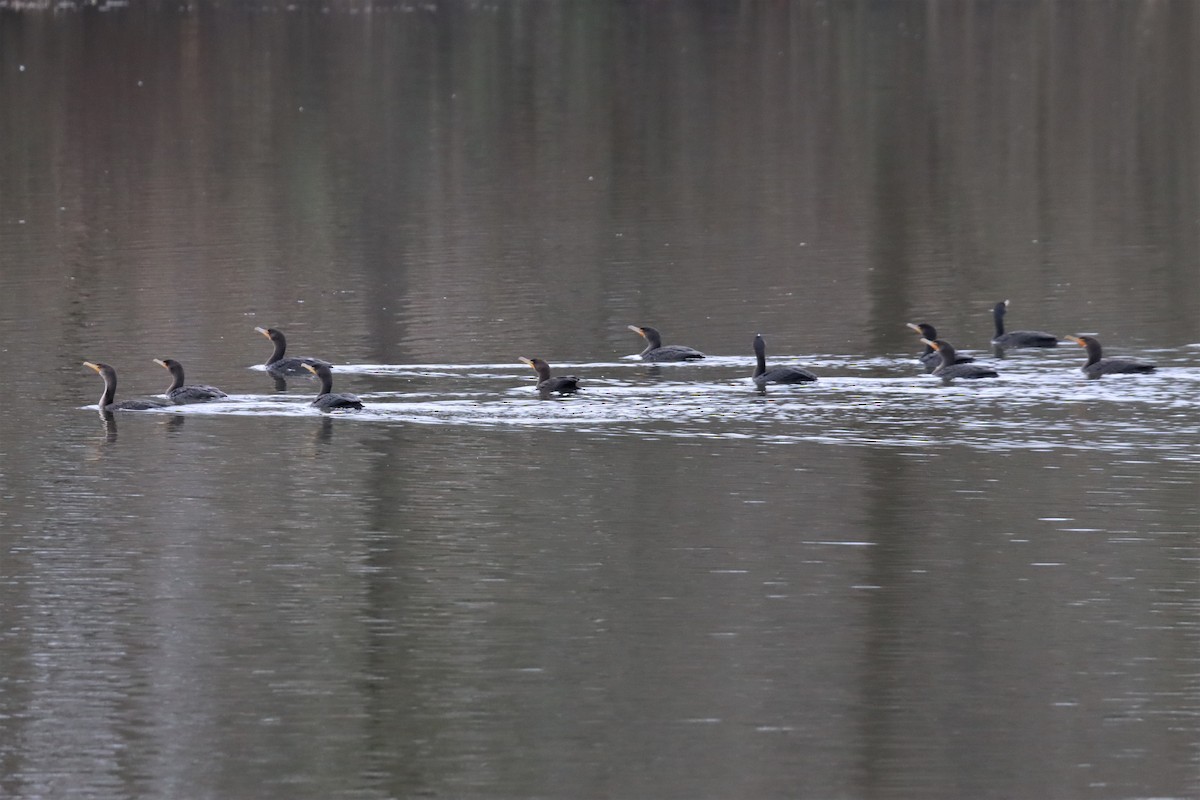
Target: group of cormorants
<point>942,360</point>
<point>177,393</point>
<point>939,357</point>
<point>657,352</point>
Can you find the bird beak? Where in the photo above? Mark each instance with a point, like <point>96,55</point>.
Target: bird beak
<point>90,365</point>
<point>263,331</point>
<point>526,361</point>
<point>1078,341</point>
<point>931,344</point>
<point>637,330</point>
<point>914,326</point>
<point>311,368</point>
<point>160,362</point>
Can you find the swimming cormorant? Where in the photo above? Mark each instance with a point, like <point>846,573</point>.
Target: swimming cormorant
<point>656,352</point>
<point>179,394</point>
<point>778,375</point>
<point>1097,366</point>
<point>1014,339</point>
<point>930,357</point>
<point>949,369</point>
<point>110,390</point>
<point>277,362</point>
<point>327,400</point>
<point>565,384</point>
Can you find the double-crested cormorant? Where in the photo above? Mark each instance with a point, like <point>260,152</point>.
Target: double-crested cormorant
<point>949,369</point>
<point>1014,339</point>
<point>656,352</point>
<point>930,358</point>
<point>110,390</point>
<point>327,400</point>
<point>778,375</point>
<point>565,384</point>
<point>1097,366</point>
<point>179,394</point>
<point>277,363</point>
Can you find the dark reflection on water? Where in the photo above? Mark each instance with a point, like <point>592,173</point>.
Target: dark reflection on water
<point>873,586</point>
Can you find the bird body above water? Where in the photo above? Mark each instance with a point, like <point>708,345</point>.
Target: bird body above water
<point>1097,366</point>
<point>763,376</point>
<point>107,398</point>
<point>565,384</point>
<point>949,369</point>
<point>279,363</point>
<point>179,394</point>
<point>655,351</point>
<point>1018,339</point>
<point>327,400</point>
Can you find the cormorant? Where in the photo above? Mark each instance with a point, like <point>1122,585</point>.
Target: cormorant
<point>656,352</point>
<point>277,362</point>
<point>110,390</point>
<point>778,375</point>
<point>1097,366</point>
<point>179,394</point>
<point>1013,339</point>
<point>930,357</point>
<point>949,369</point>
<point>327,400</point>
<point>566,384</point>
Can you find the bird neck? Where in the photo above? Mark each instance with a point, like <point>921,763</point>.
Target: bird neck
<point>543,372</point>
<point>177,379</point>
<point>110,391</point>
<point>326,382</point>
<point>1093,352</point>
<point>998,315</point>
<point>760,356</point>
<point>280,349</point>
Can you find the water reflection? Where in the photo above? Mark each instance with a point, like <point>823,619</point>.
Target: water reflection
<point>325,431</point>
<point>110,426</point>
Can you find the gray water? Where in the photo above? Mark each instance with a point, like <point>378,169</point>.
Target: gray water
<point>669,586</point>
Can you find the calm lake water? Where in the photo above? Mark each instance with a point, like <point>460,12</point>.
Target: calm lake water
<point>670,586</point>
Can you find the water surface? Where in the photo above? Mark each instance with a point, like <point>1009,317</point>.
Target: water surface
<point>670,586</point>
